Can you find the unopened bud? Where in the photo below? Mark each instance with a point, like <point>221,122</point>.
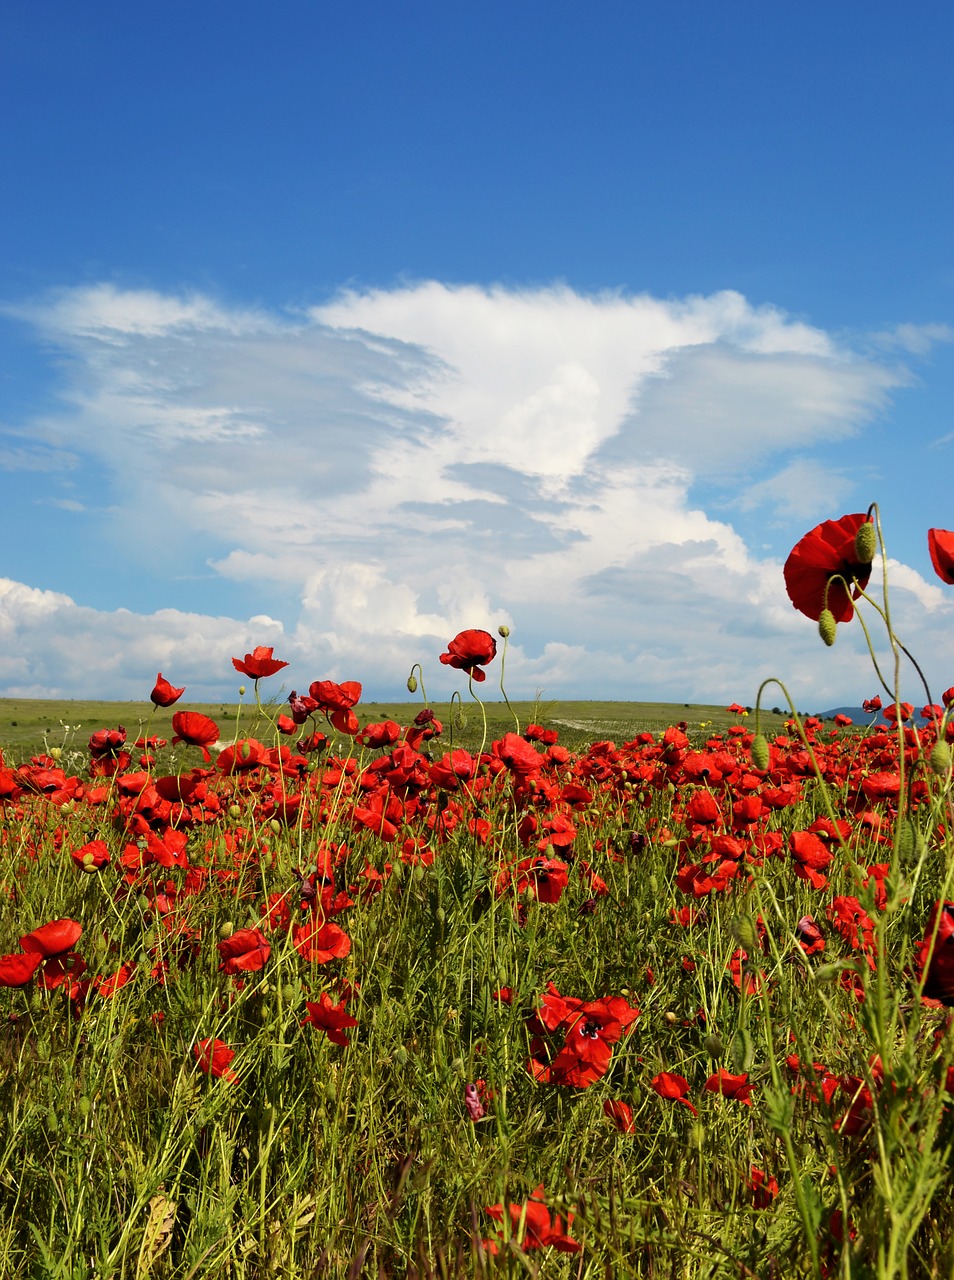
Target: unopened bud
<point>503,631</point>
<point>759,752</point>
<point>241,691</point>
<point>827,626</point>
<point>865,543</point>
<point>940,758</point>
<point>412,684</point>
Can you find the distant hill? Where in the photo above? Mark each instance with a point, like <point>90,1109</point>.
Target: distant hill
<point>860,716</point>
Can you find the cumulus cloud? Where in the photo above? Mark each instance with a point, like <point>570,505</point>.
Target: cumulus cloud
<point>398,464</point>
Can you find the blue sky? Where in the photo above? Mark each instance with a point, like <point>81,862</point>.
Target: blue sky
<point>342,328</point>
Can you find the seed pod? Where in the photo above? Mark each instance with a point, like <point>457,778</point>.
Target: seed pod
<point>759,752</point>
<point>865,543</point>
<point>827,626</point>
<point>940,758</point>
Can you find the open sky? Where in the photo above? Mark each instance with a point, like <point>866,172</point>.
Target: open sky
<point>343,327</point>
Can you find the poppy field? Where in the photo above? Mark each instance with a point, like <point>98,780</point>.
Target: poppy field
<point>298,996</point>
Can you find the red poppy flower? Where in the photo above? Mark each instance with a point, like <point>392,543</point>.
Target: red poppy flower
<point>871,706</point>
<point>336,701</point>
<point>53,939</point>
<point>941,547</point>
<point>827,551</point>
<point>195,729</point>
<point>592,1030</point>
<point>731,1086</point>
<point>533,1226</point>
<point>935,958</point>
<point>764,1189</point>
<point>258,664</point>
<point>92,856</point>
<point>214,1058</point>
<point>469,651</point>
<point>319,942</point>
<point>17,970</point>
<point>621,1114</point>
<point>244,952</point>
<point>163,694</point>
<point>674,1087</point>
<point>330,1018</point>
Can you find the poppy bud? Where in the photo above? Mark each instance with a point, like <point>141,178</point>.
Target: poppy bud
<point>827,626</point>
<point>503,631</point>
<point>940,758</point>
<point>412,684</point>
<point>714,1046</point>
<point>759,752</point>
<point>865,543</point>
<point>241,690</point>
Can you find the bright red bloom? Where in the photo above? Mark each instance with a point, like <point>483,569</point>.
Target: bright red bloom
<point>258,664</point>
<point>330,1018</point>
<point>827,551</point>
<point>244,952</point>
<point>592,1029</point>
<point>17,970</point>
<point>533,1226</point>
<point>941,547</point>
<point>92,856</point>
<point>320,942</point>
<point>214,1058</point>
<point>196,730</point>
<point>731,1086</point>
<point>53,939</point>
<point>163,694</point>
<point>469,651</point>
<point>247,753</point>
<point>935,957</point>
<point>336,701</point>
<point>674,1087</point>
<point>872,705</point>
<point>621,1114</point>
<point>546,878</point>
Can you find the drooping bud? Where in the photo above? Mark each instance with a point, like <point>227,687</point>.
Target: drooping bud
<point>940,758</point>
<point>827,626</point>
<point>759,752</point>
<point>412,684</point>
<point>865,543</point>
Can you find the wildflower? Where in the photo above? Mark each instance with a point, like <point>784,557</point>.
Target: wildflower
<point>163,694</point>
<point>826,552</point>
<point>92,856</point>
<point>871,706</point>
<point>196,730</point>
<point>764,1189</point>
<point>17,970</point>
<point>809,936</point>
<point>731,1086</point>
<point>336,701</point>
<point>330,1018</point>
<point>319,942</point>
<point>941,547</point>
<point>214,1058</point>
<point>53,939</point>
<point>621,1113</point>
<point>258,664</point>
<point>533,1226</point>
<point>246,951</point>
<point>469,651</point>
<point>674,1087</point>
<point>475,1108</point>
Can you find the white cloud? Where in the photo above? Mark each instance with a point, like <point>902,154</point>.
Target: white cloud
<point>400,464</point>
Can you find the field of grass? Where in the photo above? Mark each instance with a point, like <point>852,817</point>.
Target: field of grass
<point>30,725</point>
